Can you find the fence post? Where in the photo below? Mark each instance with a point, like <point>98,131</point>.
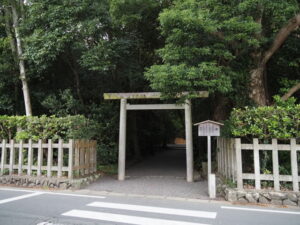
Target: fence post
<point>11,157</point>
<point>218,153</point>
<point>294,165</point>
<point>275,164</point>
<point>222,156</point>
<point>89,149</point>
<point>256,163</point>
<point>226,159</point>
<point>229,150</point>
<point>95,156</point>
<point>20,172</point>
<point>81,157</point>
<point>234,176</point>
<point>49,158</point>
<point>3,156</point>
<point>238,151</point>
<point>77,153</point>
<point>87,157</point>
<point>29,165</point>
<point>40,158</point>
<point>60,158</point>
<point>70,163</point>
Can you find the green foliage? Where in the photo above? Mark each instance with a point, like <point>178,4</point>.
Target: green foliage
<point>229,183</point>
<point>214,45</point>
<point>107,155</point>
<point>279,121</point>
<point>62,104</point>
<point>43,127</point>
<point>178,78</point>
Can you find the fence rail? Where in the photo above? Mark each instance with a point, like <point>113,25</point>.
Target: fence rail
<point>230,162</point>
<point>52,159</point>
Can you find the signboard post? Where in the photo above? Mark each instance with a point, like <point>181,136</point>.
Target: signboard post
<point>209,128</point>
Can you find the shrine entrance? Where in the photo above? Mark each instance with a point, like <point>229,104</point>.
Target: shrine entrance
<point>125,106</point>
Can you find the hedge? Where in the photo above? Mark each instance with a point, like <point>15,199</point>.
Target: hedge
<point>44,127</point>
<point>281,121</point>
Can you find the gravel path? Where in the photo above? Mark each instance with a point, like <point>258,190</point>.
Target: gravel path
<point>162,175</point>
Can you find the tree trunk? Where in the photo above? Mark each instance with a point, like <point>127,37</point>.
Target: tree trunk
<point>294,89</point>
<point>258,92</point>
<point>77,79</point>
<point>12,42</point>
<point>25,87</point>
<point>221,108</point>
<point>257,86</point>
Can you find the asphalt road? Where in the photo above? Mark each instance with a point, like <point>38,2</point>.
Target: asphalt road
<point>24,207</point>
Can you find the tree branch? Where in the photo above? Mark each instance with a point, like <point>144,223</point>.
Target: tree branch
<point>291,92</point>
<point>281,36</point>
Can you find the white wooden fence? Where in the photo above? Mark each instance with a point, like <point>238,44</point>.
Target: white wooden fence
<point>230,162</point>
<point>52,159</point>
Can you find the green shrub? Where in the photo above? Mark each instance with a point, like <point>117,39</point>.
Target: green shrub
<point>280,121</point>
<point>43,127</point>
<point>107,154</point>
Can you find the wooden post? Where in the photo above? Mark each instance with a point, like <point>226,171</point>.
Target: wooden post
<point>122,140</point>
<point>87,158</point>
<point>77,160</point>
<point>226,159</point>
<point>81,157</point>
<point>234,159</point>
<point>20,172</point>
<point>256,163</point>
<point>208,156</point>
<point>12,157</point>
<point>238,151</point>
<point>294,165</point>
<point>95,156</point>
<point>222,156</point>
<point>70,163</point>
<point>29,165</point>
<point>189,142</point>
<point>231,159</point>
<point>49,158</point>
<point>218,153</point>
<point>40,158</point>
<point>3,156</point>
<point>60,158</point>
<point>275,165</point>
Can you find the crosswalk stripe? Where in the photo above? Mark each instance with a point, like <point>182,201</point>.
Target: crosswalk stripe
<point>170,211</point>
<point>19,197</point>
<point>118,218</point>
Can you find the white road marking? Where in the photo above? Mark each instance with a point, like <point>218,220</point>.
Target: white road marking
<point>74,195</point>
<point>16,190</point>
<point>170,211</point>
<point>19,197</point>
<point>52,193</point>
<point>118,218</point>
<point>261,210</point>
<point>48,223</point>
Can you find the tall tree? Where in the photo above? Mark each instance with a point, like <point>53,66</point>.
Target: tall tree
<point>216,45</point>
<point>13,14</point>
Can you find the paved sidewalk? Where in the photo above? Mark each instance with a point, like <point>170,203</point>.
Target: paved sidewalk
<point>160,175</point>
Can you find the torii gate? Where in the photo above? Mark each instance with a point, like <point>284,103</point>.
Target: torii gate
<point>123,97</point>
